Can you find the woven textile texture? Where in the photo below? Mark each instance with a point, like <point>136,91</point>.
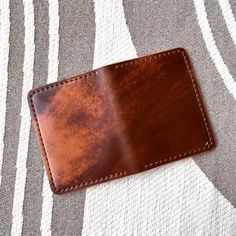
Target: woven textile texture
<point>45,41</point>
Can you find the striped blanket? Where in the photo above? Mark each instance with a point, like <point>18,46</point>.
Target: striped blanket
<point>45,41</point>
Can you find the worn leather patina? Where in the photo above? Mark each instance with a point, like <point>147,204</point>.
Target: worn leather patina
<point>120,119</point>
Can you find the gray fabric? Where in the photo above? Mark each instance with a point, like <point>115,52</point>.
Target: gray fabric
<point>220,168</point>
<point>152,29</point>
<point>154,26</point>
<point>34,181</point>
<point>222,37</point>
<point>74,58</point>
<point>77,33</point>
<point>15,66</point>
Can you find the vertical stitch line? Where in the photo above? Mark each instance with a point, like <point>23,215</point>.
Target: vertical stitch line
<point>197,97</point>
<point>41,140</point>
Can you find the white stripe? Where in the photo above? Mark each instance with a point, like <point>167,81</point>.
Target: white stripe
<point>212,48</point>
<point>25,122</point>
<point>229,18</point>
<point>112,39</point>
<point>46,208</point>
<point>53,41</point>
<point>176,199</point>
<point>4,53</point>
<point>171,200</point>
<point>52,77</point>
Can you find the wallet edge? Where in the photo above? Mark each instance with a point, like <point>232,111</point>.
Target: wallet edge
<point>208,146</point>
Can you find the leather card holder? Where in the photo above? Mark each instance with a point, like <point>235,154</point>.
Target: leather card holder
<point>119,120</point>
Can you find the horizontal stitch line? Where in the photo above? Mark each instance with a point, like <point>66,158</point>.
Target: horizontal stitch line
<point>66,81</point>
<point>112,176</point>
<point>88,75</point>
<point>139,60</point>
<point>162,161</point>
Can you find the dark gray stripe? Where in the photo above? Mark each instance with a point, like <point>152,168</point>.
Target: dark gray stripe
<point>221,34</point>
<point>33,191</point>
<point>233,7</point>
<point>166,24</point>
<point>77,37</point>
<point>77,33</point>
<point>15,71</point>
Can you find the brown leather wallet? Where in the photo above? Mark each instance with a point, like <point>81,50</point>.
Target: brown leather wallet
<point>120,119</point>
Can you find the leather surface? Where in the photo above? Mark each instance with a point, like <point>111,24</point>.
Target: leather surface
<point>120,119</point>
